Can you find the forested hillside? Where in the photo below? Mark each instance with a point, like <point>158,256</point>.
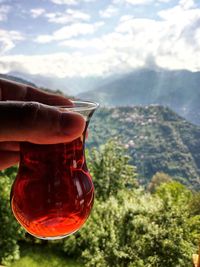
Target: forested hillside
<point>157,139</point>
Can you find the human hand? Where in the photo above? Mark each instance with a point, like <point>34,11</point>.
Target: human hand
<point>26,116</point>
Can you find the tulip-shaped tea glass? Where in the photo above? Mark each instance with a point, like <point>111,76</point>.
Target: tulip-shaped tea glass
<point>53,193</point>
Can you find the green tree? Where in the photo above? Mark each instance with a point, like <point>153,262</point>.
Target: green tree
<point>158,179</point>
<point>136,230</point>
<point>194,210</point>
<point>132,228</point>
<point>110,169</point>
<point>174,194</point>
<point>194,204</point>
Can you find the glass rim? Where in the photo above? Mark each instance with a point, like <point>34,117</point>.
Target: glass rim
<point>80,105</point>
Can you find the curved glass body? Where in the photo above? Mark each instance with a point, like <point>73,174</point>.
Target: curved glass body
<point>53,193</point>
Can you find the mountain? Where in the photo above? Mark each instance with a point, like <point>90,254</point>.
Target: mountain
<point>179,90</point>
<point>16,79</point>
<point>157,139</point>
<point>68,85</point>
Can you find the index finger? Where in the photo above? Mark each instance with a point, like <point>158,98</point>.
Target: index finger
<point>10,90</point>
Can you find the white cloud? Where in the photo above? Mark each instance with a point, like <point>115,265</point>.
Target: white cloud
<point>67,32</point>
<point>4,10</point>
<point>172,41</point>
<point>125,18</point>
<point>60,65</point>
<point>179,15</point>
<point>132,45</point>
<point>109,12</point>
<point>138,27</point>
<point>78,14</point>
<point>186,4</point>
<point>68,16</point>
<point>111,41</point>
<point>8,39</point>
<point>165,1</point>
<point>65,2</point>
<point>139,2</point>
<point>37,12</point>
<point>94,43</point>
<point>70,2</point>
<point>43,39</point>
<point>169,43</point>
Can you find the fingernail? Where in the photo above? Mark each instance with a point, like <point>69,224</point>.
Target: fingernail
<point>72,124</point>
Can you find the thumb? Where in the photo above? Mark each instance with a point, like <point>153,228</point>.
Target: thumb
<point>38,123</point>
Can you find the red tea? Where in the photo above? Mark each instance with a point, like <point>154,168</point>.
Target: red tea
<point>53,193</point>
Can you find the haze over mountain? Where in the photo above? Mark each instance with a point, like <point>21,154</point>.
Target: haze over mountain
<point>179,90</point>
<point>68,85</point>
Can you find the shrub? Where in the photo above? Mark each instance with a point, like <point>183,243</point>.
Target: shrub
<point>135,229</point>
<point>10,230</point>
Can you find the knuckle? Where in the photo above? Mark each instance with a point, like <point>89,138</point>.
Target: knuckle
<point>29,112</point>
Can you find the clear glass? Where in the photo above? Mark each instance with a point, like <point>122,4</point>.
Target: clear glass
<point>52,195</point>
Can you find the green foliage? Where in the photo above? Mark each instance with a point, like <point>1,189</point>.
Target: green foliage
<point>158,179</point>
<point>194,210</point>
<point>194,204</point>
<point>194,226</point>
<point>130,227</point>
<point>135,229</point>
<point>110,169</point>
<point>10,231</point>
<point>174,193</point>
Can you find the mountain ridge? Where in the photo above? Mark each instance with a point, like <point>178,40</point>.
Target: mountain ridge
<point>16,79</point>
<point>179,90</point>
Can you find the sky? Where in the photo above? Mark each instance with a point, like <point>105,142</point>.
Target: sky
<point>83,38</point>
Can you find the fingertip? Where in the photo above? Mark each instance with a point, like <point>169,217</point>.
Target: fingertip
<point>38,123</point>
<point>72,124</point>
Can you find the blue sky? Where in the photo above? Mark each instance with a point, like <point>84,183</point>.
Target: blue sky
<point>68,38</point>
